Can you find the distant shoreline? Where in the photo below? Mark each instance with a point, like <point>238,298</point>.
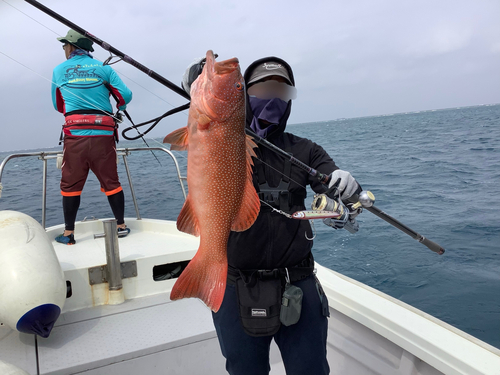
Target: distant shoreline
<point>397,114</point>
<point>294,124</point>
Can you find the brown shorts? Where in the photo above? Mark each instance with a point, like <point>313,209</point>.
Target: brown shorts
<point>96,153</point>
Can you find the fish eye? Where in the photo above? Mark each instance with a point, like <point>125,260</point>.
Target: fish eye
<point>238,86</point>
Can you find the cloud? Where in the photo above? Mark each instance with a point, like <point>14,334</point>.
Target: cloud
<point>439,40</point>
<point>349,58</point>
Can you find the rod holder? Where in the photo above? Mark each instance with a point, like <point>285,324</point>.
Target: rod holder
<point>112,255</point>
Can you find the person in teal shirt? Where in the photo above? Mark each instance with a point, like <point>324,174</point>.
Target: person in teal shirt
<point>81,90</point>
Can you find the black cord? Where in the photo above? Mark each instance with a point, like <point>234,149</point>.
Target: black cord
<point>155,122</point>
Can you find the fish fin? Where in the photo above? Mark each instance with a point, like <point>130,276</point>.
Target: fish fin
<point>249,210</point>
<point>203,121</point>
<point>187,222</point>
<point>250,205</point>
<point>202,279</point>
<point>250,145</point>
<point>178,139</point>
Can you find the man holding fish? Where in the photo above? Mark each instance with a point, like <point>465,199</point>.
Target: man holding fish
<point>254,267</point>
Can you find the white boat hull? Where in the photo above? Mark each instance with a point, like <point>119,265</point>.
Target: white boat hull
<point>369,332</point>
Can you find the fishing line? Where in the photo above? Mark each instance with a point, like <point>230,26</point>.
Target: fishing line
<point>83,100</point>
<point>276,210</point>
<point>287,215</point>
<point>106,62</point>
<point>281,173</point>
<point>155,120</point>
<point>106,113</point>
<point>20,11</point>
<point>69,91</point>
<point>175,152</point>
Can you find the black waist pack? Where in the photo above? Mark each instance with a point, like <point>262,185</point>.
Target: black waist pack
<point>259,300</point>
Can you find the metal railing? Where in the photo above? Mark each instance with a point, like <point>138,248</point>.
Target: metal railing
<point>124,152</point>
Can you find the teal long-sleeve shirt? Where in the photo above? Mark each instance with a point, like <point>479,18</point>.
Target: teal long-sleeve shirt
<point>79,84</point>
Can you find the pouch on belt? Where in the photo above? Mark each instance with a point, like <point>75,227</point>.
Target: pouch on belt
<point>259,300</point>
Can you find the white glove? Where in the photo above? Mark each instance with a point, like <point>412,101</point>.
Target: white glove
<point>192,72</point>
<point>347,186</point>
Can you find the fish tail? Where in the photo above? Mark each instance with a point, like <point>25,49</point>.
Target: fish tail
<point>204,280</point>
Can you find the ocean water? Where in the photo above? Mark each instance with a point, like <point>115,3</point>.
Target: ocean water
<point>437,172</point>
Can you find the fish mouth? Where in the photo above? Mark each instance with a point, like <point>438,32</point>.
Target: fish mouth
<point>226,66</point>
<point>220,67</point>
<point>214,71</point>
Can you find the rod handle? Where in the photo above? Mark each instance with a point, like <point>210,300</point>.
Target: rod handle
<point>431,245</point>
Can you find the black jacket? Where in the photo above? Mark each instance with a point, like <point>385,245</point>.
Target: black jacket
<point>274,240</point>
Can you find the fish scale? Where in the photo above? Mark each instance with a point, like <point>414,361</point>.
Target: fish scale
<point>221,195</point>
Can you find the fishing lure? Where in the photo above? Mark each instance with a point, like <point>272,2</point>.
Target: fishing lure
<point>315,214</point>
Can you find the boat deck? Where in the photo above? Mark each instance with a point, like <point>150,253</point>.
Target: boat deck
<point>369,332</point>
<point>151,243</point>
<point>134,335</point>
<point>146,333</point>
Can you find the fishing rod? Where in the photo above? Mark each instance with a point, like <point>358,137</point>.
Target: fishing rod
<point>364,200</point>
<point>323,178</point>
<point>110,48</point>
<point>359,199</point>
<point>123,57</point>
<point>119,117</point>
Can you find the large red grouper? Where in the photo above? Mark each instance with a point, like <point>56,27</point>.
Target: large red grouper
<point>221,195</point>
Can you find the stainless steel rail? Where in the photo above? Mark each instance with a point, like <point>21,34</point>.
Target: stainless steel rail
<point>124,152</point>
<point>112,254</point>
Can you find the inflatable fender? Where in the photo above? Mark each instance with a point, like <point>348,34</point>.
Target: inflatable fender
<point>32,283</point>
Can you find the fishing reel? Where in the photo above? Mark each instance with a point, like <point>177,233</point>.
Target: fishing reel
<point>348,213</point>
<point>322,202</point>
<point>118,117</point>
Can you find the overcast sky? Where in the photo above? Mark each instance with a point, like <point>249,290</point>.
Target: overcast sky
<point>350,58</point>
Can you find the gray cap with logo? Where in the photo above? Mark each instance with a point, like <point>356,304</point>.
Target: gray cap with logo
<point>269,68</point>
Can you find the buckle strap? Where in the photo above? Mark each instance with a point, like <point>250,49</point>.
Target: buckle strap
<point>89,112</point>
<point>277,198</point>
<point>269,274</point>
<point>296,273</point>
